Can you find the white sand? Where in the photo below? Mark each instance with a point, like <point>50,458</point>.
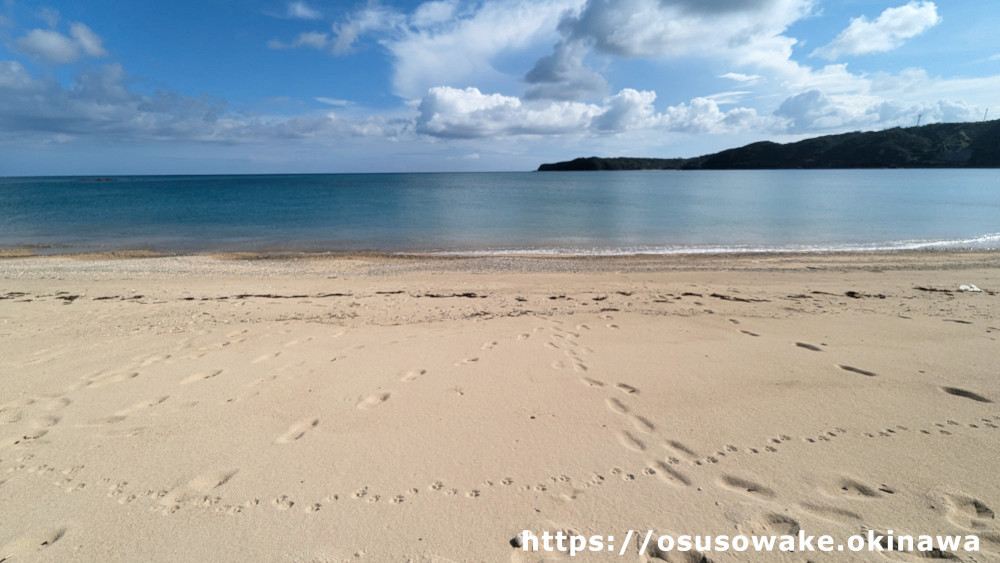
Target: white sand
<point>383,409</point>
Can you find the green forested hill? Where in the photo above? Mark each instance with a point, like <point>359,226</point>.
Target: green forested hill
<point>943,145</point>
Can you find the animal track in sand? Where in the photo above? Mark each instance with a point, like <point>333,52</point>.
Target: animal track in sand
<point>808,346</point>
<point>966,394</point>
<point>467,361</point>
<point>373,400</point>
<point>748,333</point>
<point>297,430</point>
<point>282,502</point>
<point>200,376</point>
<point>412,374</point>
<point>857,370</point>
<point>490,345</point>
<point>590,382</point>
<point>745,486</point>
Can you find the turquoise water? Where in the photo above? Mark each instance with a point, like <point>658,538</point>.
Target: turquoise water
<point>552,212</point>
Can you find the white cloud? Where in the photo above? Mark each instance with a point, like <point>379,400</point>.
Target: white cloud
<point>890,30</point>
<point>563,76</point>
<point>99,105</point>
<point>462,52</point>
<point>49,15</point>
<point>89,41</point>
<point>312,39</point>
<point>14,77</point>
<point>661,29</point>
<point>54,48</point>
<point>333,102</point>
<point>49,46</point>
<point>468,113</point>
<point>301,11</point>
<point>430,14</point>
<point>746,79</point>
<point>374,18</point>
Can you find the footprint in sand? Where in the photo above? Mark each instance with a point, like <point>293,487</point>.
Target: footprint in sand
<point>32,543</point>
<point>411,374</point>
<point>748,333</point>
<point>770,524</point>
<point>631,442</point>
<point>196,488</point>
<point>142,405</point>
<point>297,430</point>
<point>745,486</point>
<point>968,513</point>
<point>373,400</point>
<point>808,346</point>
<point>670,475</point>
<point>108,379</point>
<point>467,361</point>
<point>845,486</point>
<point>490,345</point>
<point>642,424</point>
<point>857,370</point>
<point>200,376</point>
<point>965,394</point>
<point>831,513</point>
<point>153,360</point>
<point>265,357</point>
<point>54,404</point>
<point>590,382</point>
<point>627,389</point>
<point>616,406</point>
<point>675,445</point>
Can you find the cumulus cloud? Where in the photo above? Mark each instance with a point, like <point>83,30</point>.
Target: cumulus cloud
<point>563,76</point>
<point>301,11</point>
<point>54,48</point>
<point>659,29</point>
<point>468,113</point>
<point>814,111</point>
<point>887,32</point>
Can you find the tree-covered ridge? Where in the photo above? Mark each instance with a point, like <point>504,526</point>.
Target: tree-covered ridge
<point>942,145</point>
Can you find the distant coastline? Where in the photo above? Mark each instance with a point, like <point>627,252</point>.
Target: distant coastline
<point>942,145</point>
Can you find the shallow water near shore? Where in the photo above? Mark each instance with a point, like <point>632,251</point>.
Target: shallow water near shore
<point>655,212</point>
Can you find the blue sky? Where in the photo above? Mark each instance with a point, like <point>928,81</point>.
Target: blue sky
<point>260,86</point>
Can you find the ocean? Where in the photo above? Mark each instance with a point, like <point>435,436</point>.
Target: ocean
<point>600,213</point>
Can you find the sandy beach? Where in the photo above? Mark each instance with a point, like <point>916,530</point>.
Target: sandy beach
<point>380,408</point>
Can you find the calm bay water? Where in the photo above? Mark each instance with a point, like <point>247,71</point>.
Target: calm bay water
<point>553,212</point>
